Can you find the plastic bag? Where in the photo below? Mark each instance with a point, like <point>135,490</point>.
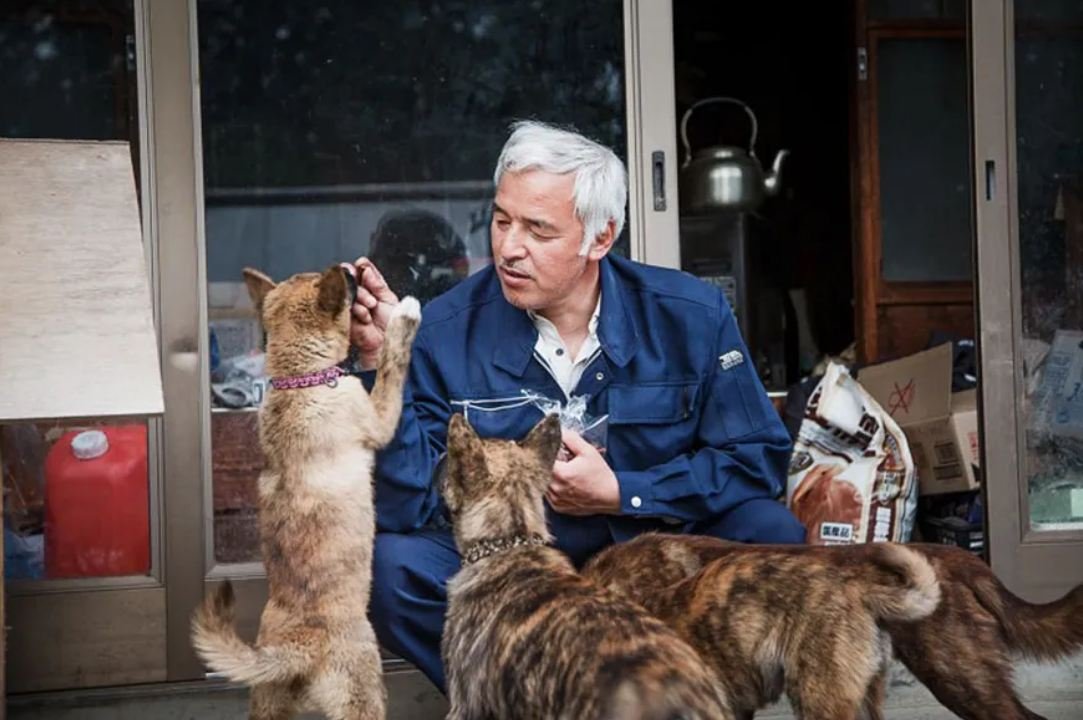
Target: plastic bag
<point>851,476</point>
<point>574,416</point>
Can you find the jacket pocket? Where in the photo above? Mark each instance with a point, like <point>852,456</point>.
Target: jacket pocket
<point>660,404</point>
<point>510,418</point>
<point>651,424</point>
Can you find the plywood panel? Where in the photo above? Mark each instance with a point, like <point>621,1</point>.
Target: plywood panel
<point>60,640</point>
<point>905,329</point>
<point>76,336</point>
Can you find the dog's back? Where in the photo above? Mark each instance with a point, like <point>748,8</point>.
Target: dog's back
<point>539,641</point>
<point>774,617</point>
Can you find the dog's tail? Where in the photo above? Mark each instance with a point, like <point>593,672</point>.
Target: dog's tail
<point>919,593</point>
<point>222,650</point>
<point>1048,631</point>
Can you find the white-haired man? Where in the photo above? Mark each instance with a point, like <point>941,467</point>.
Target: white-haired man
<point>693,444</point>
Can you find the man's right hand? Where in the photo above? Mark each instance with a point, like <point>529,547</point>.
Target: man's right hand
<point>371,311</point>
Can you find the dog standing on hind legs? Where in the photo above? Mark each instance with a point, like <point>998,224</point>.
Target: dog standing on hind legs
<point>319,432</point>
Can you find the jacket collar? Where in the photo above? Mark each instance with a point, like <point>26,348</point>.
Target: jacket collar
<point>617,333</point>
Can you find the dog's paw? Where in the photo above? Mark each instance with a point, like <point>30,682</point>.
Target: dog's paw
<point>402,327</point>
<point>409,308</point>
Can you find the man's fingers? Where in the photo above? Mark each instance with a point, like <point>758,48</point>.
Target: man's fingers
<point>372,281</point>
<point>366,298</point>
<point>362,314</point>
<point>574,441</point>
<point>561,472</point>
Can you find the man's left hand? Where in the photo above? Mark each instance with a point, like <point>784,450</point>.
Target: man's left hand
<point>583,484</point>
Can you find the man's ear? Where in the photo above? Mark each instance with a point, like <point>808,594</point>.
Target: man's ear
<point>335,289</point>
<point>603,242</point>
<point>544,440</point>
<point>258,286</point>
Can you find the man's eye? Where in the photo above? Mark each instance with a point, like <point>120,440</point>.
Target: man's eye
<point>503,224</point>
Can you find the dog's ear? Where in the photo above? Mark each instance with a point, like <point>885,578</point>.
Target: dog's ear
<point>544,440</point>
<point>258,286</point>
<point>335,289</point>
<point>465,458</point>
<point>460,435</point>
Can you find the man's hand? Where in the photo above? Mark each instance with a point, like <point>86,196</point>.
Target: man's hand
<point>584,484</point>
<point>371,311</point>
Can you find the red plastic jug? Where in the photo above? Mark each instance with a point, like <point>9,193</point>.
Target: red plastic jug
<point>97,505</point>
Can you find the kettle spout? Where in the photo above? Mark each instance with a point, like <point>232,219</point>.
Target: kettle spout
<point>773,182</point>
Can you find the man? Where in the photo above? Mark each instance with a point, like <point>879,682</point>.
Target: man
<point>693,445</point>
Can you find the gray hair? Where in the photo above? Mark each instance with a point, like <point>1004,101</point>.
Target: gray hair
<point>601,182</point>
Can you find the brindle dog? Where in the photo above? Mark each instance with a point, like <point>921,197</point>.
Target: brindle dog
<point>528,638</point>
<point>806,620</point>
<point>962,652</point>
<point>315,648</point>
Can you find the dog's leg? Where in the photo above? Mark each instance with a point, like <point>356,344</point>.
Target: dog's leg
<point>874,697</point>
<point>276,701</point>
<point>393,364</point>
<point>836,686</point>
<point>354,689</point>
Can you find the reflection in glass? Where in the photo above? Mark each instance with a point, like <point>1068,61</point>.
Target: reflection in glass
<point>337,129</point>
<point>1049,147</point>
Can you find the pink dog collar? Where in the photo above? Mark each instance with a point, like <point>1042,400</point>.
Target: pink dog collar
<point>328,377</point>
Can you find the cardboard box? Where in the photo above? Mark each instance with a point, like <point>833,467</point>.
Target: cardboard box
<point>941,427</point>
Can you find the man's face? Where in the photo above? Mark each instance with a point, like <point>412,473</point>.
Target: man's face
<point>536,238</point>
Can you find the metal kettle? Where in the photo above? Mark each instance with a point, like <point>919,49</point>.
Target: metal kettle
<point>724,177</point>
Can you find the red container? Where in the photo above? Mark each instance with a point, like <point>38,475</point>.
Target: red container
<point>97,517</point>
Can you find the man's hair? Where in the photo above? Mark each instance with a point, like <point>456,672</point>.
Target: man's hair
<point>601,183</point>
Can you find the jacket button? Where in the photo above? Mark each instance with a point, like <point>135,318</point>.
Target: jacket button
<point>636,501</point>
<point>599,376</point>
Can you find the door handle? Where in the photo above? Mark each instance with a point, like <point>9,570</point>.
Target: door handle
<point>184,356</point>
<point>658,179</point>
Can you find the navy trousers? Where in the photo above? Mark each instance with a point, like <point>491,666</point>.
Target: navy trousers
<point>410,572</point>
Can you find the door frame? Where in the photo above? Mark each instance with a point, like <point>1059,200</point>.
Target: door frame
<point>872,292</point>
<point>1039,565</point>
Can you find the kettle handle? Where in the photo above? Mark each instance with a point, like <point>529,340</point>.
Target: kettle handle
<point>708,101</point>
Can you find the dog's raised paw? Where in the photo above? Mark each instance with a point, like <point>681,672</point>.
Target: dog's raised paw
<point>409,308</point>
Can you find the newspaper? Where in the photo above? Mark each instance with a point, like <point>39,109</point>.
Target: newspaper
<point>851,477</point>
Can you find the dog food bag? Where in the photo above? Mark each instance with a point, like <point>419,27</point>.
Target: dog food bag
<point>851,477</point>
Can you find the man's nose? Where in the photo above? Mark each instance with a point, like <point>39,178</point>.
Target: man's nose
<point>513,246</point>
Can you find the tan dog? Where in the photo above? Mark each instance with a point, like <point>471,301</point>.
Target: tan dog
<point>319,431</point>
<point>962,652</point>
<point>769,618</point>
<point>526,637</point>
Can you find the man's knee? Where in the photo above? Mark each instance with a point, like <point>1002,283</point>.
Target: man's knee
<point>758,521</point>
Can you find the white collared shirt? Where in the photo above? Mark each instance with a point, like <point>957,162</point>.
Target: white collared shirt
<point>551,351</point>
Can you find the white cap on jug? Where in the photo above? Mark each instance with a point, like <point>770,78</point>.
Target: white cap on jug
<point>89,444</point>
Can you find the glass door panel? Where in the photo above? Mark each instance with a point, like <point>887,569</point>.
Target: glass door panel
<point>1049,151</point>
<point>347,129</point>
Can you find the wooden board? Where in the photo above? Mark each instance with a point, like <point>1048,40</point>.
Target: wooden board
<point>76,335</point>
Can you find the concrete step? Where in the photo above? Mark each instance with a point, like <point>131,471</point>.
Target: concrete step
<point>1054,691</point>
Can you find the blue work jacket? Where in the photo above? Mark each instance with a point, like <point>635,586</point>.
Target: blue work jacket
<point>691,432</point>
